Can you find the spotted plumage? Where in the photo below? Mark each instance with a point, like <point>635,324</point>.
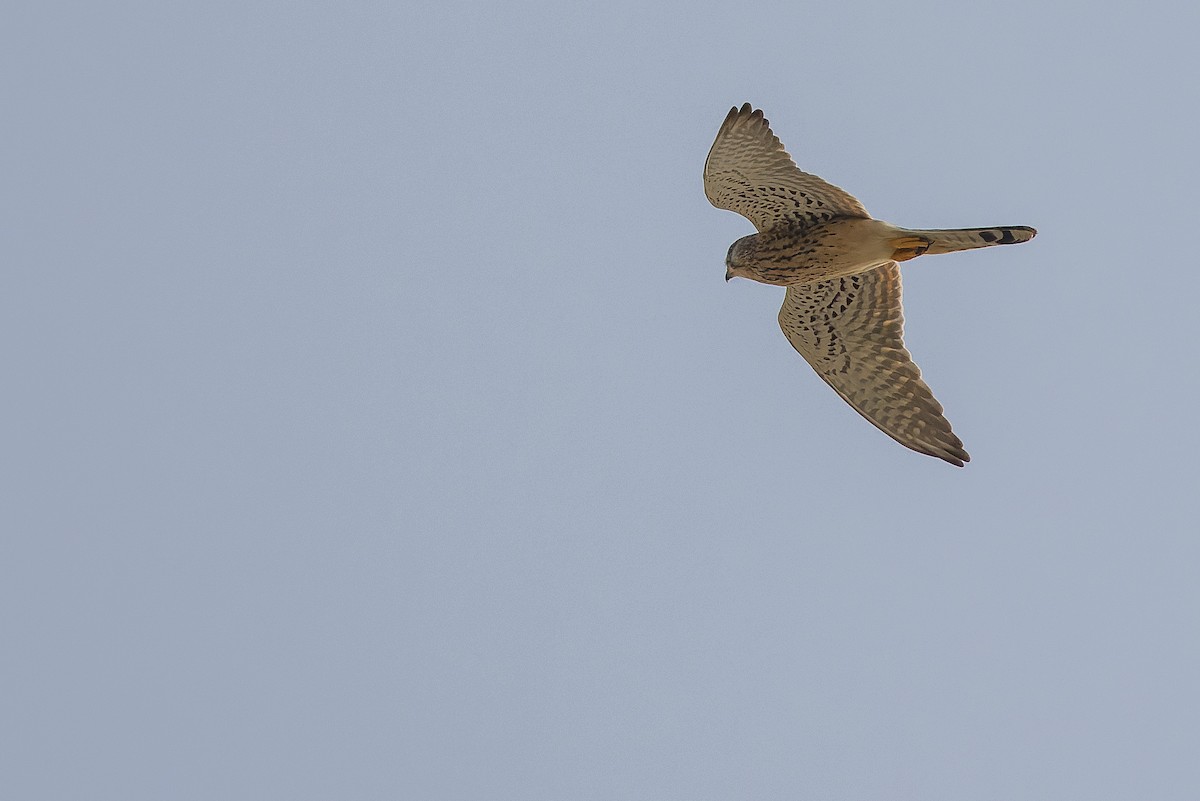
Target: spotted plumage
<point>841,310</point>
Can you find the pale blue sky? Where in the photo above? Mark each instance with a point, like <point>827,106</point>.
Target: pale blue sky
<point>379,424</point>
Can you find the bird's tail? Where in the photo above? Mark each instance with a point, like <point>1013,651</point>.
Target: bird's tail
<point>948,241</point>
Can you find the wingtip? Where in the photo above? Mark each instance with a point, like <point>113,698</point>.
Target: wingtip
<point>948,448</point>
<point>745,111</point>
<point>946,453</point>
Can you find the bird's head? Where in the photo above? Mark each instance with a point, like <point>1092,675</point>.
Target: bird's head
<point>735,258</point>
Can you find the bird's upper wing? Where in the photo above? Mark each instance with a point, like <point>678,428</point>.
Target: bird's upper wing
<point>851,331</point>
<point>749,172</point>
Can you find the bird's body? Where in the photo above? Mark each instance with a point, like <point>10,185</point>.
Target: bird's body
<point>842,307</point>
<point>795,254</point>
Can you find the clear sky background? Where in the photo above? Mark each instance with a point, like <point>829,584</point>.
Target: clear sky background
<point>378,423</point>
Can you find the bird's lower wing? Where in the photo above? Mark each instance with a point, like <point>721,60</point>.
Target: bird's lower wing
<point>851,330</point>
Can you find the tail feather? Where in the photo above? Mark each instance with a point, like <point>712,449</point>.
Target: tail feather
<point>948,241</point>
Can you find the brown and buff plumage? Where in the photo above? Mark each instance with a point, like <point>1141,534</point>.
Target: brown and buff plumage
<point>842,307</point>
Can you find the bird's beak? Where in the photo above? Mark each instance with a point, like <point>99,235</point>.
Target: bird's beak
<point>728,274</point>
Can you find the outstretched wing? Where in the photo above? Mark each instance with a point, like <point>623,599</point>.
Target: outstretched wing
<point>749,172</point>
<point>851,331</point>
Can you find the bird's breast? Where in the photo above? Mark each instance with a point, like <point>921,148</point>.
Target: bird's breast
<point>843,246</point>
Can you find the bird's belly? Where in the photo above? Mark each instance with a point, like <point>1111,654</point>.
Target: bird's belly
<point>830,250</point>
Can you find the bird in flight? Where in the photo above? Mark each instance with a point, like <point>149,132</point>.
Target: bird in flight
<point>842,308</point>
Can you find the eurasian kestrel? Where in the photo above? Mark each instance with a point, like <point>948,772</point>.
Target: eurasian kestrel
<point>842,306</point>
